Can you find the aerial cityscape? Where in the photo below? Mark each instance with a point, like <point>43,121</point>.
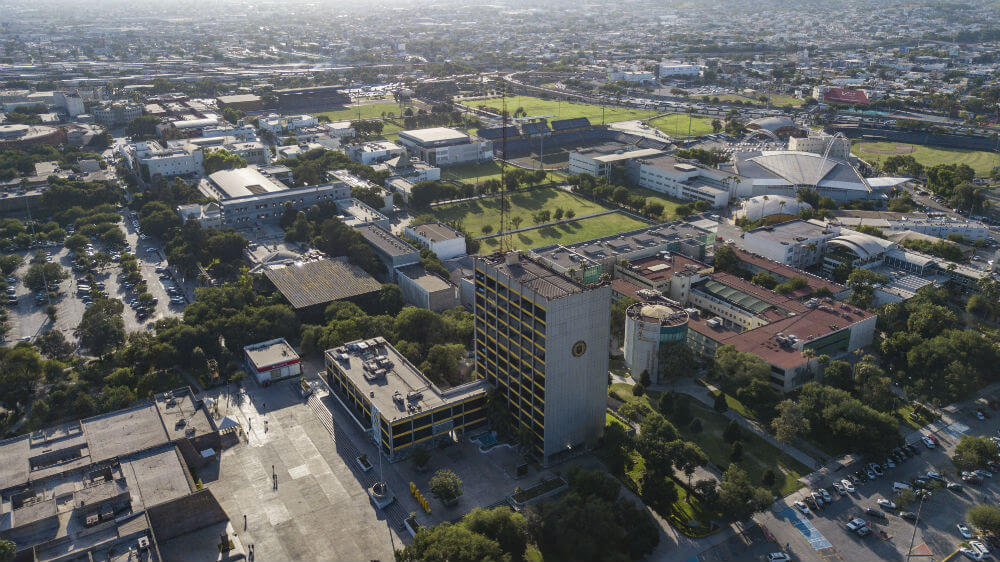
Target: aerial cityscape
<point>453,282</point>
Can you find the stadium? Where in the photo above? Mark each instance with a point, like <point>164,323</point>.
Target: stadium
<point>528,142</point>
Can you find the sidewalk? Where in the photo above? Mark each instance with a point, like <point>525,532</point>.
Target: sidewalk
<point>706,397</point>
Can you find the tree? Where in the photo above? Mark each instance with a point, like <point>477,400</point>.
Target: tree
<point>39,274</point>
<point>986,518</point>
<point>738,498</point>
<point>736,369</point>
<point>20,372</point>
<point>972,452</point>
<point>644,378</point>
<point>674,360</point>
<point>769,478</point>
<point>719,404</point>
<point>8,550</point>
<point>9,264</point>
<point>732,432</point>
<point>446,485</point>
<point>449,543</point>
<point>638,390</point>
<point>222,159</point>
<point>508,528</point>
<point>142,128</point>
<point>736,454</point>
<point>102,329</point>
<point>790,422</point>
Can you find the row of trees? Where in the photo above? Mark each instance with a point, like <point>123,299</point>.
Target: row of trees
<point>602,190</point>
<point>588,523</point>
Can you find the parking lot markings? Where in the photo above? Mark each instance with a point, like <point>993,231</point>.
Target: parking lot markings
<point>956,429</point>
<point>808,530</point>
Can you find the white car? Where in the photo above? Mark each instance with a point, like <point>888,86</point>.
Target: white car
<point>928,441</point>
<point>886,504</point>
<point>979,415</point>
<point>848,485</point>
<point>979,547</point>
<point>855,524</point>
<point>984,473</point>
<point>971,554</point>
<point>778,557</point>
<point>840,489</point>
<point>964,530</point>
<point>801,506</point>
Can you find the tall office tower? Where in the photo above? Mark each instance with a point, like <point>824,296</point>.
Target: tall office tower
<point>542,342</point>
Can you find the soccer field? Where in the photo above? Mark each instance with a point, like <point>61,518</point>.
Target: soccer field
<point>676,125</point>
<point>980,161</point>
<point>474,215</point>
<point>569,233</point>
<point>368,111</point>
<point>564,109</point>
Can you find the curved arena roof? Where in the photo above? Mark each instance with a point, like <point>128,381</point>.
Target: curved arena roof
<point>863,245</point>
<point>766,205</point>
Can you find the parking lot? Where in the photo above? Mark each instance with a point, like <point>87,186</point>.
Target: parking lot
<point>823,533</point>
<point>27,317</point>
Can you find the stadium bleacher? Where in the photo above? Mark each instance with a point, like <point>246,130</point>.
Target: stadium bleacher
<point>496,133</point>
<point>535,129</point>
<point>570,124</point>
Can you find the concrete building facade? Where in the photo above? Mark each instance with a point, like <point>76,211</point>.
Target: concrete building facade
<point>542,342</point>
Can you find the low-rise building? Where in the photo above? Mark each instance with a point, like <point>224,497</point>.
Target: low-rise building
<point>272,361</point>
<point>423,289</point>
<point>798,243</point>
<point>396,404</point>
<point>116,114</point>
<point>443,240</point>
<point>441,146</point>
<point>390,249</point>
<point>374,152</point>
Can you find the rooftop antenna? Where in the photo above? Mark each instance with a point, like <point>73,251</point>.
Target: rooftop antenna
<point>504,237</point>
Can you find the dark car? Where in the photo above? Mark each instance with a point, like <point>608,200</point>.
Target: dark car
<point>953,486</point>
<point>909,515</point>
<point>875,512</point>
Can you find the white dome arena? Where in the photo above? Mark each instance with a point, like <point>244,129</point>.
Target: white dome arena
<point>756,208</point>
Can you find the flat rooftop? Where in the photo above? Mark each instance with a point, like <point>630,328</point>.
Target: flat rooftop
<point>661,268</point>
<point>428,281</point>
<point>149,425</point>
<point>628,155</point>
<point>321,281</point>
<point>529,273</point>
<point>593,251</point>
<point>792,230</point>
<point>435,135</point>
<point>437,232</point>
<point>242,182</point>
<point>386,242</point>
<point>395,387</point>
<point>269,353</point>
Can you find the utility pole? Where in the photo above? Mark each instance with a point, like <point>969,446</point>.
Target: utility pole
<point>913,537</point>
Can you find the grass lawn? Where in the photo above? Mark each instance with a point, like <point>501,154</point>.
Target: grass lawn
<point>565,109</point>
<point>676,125</point>
<point>669,204</point>
<point>980,161</point>
<point>609,419</point>
<point>368,111</point>
<point>902,415</point>
<point>473,215</point>
<point>758,455</point>
<point>472,172</point>
<point>569,233</point>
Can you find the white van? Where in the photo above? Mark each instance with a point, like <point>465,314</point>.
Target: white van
<point>899,486</point>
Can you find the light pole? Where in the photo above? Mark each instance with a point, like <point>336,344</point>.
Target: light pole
<point>909,551</point>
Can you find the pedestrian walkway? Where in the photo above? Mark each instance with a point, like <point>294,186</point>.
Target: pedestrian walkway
<point>705,395</point>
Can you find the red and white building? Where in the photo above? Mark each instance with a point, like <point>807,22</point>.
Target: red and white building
<point>841,95</point>
<point>272,360</point>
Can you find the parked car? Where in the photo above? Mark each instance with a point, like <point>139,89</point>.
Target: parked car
<point>886,504</point>
<point>908,515</point>
<point>953,486</point>
<point>935,475</point>
<point>778,557</point>
<point>840,488</point>
<point>848,486</point>
<point>964,530</point>
<point>979,547</point>
<point>971,554</point>
<point>826,496</point>
<point>928,442</point>
<point>801,506</point>
<point>856,524</point>
<point>984,473</point>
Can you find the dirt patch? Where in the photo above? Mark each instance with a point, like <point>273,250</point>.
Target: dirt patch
<point>898,149</point>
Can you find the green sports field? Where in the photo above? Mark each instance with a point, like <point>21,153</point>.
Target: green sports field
<point>569,233</point>
<point>368,111</point>
<point>474,215</point>
<point>980,161</point>
<point>676,125</point>
<point>564,109</point>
